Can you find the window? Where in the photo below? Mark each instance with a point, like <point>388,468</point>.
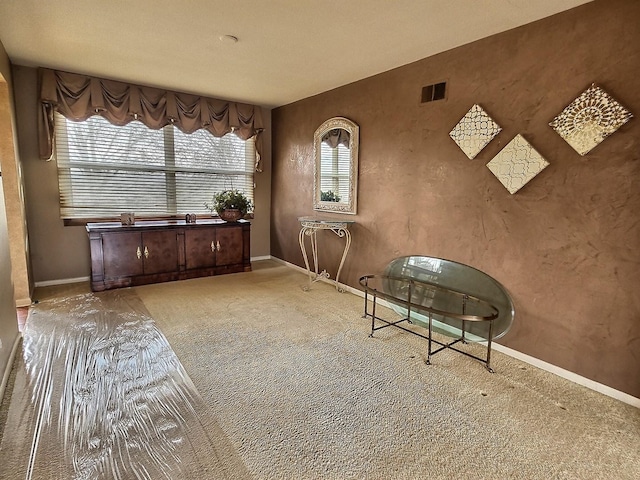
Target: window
<point>104,170</point>
<point>334,174</point>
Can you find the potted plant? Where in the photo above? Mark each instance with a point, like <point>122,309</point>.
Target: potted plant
<point>230,205</point>
<point>329,196</point>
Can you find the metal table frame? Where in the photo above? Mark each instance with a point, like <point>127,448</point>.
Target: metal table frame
<point>310,227</point>
<point>462,315</point>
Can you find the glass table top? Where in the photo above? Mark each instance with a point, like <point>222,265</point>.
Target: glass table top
<point>452,276</point>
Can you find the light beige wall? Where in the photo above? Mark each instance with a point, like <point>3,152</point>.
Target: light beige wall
<point>56,251</point>
<point>62,253</point>
<point>565,246</point>
<point>14,199</point>
<point>261,224</point>
<point>8,320</point>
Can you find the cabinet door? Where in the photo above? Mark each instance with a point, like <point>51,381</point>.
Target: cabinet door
<point>160,251</point>
<point>200,247</point>
<point>122,254</point>
<point>231,248</point>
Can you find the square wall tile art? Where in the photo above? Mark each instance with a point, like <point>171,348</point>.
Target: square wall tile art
<point>516,164</point>
<point>474,131</point>
<point>589,119</point>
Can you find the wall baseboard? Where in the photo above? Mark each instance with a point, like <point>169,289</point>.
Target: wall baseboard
<point>61,281</point>
<point>262,257</point>
<point>541,364</point>
<point>568,375</point>
<point>9,366</point>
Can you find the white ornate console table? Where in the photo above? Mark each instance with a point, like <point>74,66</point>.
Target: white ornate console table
<point>310,226</point>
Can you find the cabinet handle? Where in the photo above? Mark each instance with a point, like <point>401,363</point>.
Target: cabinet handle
<point>218,245</point>
<point>146,252</point>
<point>213,247</point>
<point>138,253</point>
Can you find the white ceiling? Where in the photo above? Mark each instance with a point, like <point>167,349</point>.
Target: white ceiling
<point>287,49</point>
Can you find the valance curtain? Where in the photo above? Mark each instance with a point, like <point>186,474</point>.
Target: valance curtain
<point>337,136</point>
<point>78,97</point>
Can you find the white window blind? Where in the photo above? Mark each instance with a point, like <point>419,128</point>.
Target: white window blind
<point>334,175</point>
<point>104,169</point>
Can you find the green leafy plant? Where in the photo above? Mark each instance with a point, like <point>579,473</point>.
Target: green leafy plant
<point>228,200</point>
<point>329,196</point>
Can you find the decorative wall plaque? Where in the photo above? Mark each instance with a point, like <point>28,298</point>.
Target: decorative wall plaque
<point>474,131</point>
<point>589,119</point>
<point>516,164</point>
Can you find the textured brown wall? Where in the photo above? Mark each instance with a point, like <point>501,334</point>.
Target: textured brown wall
<point>566,246</point>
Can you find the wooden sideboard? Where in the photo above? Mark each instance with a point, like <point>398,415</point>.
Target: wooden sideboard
<point>162,251</point>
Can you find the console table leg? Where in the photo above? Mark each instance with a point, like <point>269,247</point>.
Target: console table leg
<point>429,342</point>
<point>489,347</point>
<point>373,315</point>
<point>409,302</point>
<point>343,232</point>
<point>304,232</point>
<point>464,311</point>
<point>314,250</point>
<point>366,295</point>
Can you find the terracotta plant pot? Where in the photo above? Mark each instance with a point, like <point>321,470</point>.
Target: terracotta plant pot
<point>230,215</point>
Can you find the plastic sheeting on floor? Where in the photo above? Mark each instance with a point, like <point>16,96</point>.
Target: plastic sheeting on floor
<point>108,399</point>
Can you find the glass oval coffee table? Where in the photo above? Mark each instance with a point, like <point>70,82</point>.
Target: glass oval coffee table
<point>442,296</point>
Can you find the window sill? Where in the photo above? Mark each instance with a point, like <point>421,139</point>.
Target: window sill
<point>81,222</point>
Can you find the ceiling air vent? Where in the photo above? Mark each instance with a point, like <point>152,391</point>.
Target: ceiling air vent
<point>437,91</point>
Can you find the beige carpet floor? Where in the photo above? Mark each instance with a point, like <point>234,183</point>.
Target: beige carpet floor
<point>292,388</point>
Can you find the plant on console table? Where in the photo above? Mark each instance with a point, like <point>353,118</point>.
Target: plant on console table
<point>230,205</point>
<point>329,196</point>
